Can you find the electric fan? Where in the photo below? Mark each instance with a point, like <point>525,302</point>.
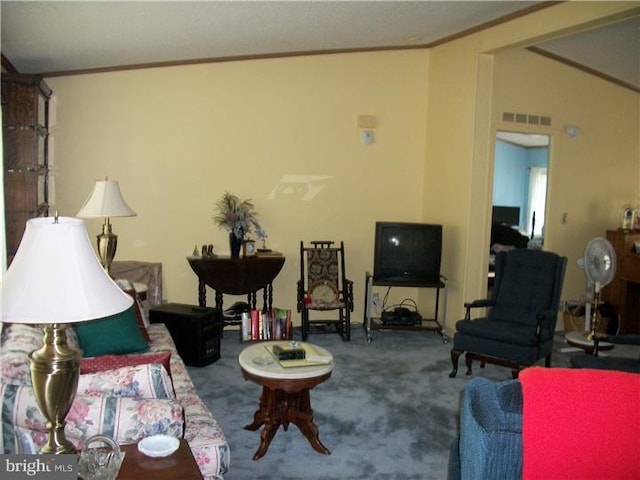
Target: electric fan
<point>599,264</point>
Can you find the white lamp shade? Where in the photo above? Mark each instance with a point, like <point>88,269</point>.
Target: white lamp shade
<point>56,277</point>
<point>105,200</point>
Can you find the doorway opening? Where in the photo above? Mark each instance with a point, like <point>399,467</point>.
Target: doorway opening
<point>520,178</point>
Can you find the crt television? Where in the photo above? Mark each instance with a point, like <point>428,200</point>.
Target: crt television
<point>407,254</point>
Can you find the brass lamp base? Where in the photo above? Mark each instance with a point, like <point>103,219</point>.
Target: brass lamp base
<point>54,375</point>
<point>107,245</point>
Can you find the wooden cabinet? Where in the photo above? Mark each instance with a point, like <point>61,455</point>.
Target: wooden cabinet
<point>624,290</point>
<point>25,130</point>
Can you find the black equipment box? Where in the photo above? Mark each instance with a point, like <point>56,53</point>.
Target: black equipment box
<point>401,317</point>
<point>195,330</point>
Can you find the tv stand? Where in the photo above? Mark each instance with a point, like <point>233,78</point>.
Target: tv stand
<point>427,324</point>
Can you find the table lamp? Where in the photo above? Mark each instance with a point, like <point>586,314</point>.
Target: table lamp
<point>56,279</point>
<point>105,200</point>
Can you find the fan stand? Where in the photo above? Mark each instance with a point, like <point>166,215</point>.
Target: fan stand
<point>595,316</point>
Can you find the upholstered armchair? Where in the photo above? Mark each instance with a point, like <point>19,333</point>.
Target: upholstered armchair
<point>522,313</point>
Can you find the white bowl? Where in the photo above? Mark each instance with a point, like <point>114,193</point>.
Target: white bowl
<point>158,445</point>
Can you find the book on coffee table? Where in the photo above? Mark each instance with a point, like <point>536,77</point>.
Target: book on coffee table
<point>312,355</point>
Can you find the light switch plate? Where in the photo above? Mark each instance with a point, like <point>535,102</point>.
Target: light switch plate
<point>368,137</point>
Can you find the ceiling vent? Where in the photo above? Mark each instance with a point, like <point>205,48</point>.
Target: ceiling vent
<point>526,118</point>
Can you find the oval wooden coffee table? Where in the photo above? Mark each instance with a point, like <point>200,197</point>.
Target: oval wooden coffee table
<point>285,392</point>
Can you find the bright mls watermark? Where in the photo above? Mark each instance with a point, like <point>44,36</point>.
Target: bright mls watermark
<point>39,467</point>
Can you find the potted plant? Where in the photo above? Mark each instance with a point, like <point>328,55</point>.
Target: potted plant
<point>239,217</point>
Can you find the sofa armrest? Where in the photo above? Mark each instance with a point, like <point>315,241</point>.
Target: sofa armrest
<point>148,380</point>
<point>126,420</point>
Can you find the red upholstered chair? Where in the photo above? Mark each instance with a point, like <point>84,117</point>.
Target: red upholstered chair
<point>580,423</point>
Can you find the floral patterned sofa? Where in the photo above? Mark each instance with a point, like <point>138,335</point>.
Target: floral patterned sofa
<point>125,396</point>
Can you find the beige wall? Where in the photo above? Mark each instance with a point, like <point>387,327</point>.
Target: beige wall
<point>471,81</point>
<point>592,175</point>
<point>176,138</point>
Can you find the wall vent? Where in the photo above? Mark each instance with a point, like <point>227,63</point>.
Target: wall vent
<point>521,118</point>
<point>526,118</point>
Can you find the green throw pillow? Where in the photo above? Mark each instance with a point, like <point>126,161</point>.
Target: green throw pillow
<point>115,334</point>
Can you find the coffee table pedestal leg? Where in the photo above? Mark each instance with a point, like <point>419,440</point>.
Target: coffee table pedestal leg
<point>278,407</point>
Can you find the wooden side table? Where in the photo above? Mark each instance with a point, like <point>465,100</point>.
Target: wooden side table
<point>180,464</point>
<point>285,394</point>
<point>237,276</point>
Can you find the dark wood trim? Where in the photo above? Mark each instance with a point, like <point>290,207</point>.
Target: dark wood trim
<point>583,68</point>
<point>7,66</point>
<point>498,21</point>
<point>233,58</point>
<point>236,58</point>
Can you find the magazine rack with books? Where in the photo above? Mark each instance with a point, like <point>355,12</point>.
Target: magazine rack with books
<point>274,324</point>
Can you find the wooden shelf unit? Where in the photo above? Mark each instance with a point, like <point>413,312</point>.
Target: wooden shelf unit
<point>25,129</point>
<point>624,290</point>
<point>427,324</point>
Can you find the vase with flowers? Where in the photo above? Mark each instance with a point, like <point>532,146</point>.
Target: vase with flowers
<point>239,217</point>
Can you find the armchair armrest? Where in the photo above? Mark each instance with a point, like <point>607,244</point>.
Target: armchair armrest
<point>486,302</point>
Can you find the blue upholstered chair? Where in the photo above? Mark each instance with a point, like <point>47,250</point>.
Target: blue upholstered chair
<point>490,440</point>
<point>522,313</point>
